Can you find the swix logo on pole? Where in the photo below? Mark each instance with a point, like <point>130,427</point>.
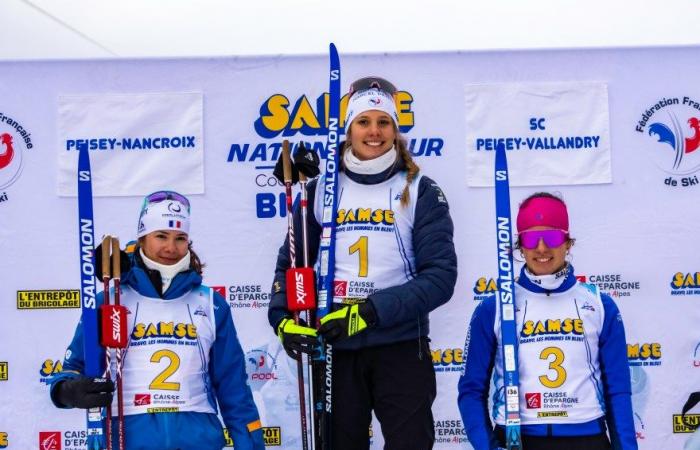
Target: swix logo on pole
<point>299,285</point>
<point>302,296</point>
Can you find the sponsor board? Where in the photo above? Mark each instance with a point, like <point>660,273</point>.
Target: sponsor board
<point>614,284</point>
<point>4,440</point>
<point>48,299</point>
<point>272,436</point>
<point>484,287</point>
<point>555,133</point>
<point>450,431</point>
<point>4,371</point>
<point>447,360</point>
<point>261,367</point>
<point>49,368</point>
<point>644,353</point>
<point>63,440</point>
<point>160,133</point>
<point>15,140</point>
<point>687,424</point>
<point>670,127</point>
<point>252,296</point>
<point>50,440</point>
<point>685,283</point>
<point>286,117</point>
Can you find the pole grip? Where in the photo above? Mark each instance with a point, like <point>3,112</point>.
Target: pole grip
<point>106,246</point>
<point>286,162</point>
<point>116,258</point>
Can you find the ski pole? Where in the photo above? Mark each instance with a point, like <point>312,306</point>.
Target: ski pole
<point>121,324</point>
<point>287,166</point>
<point>106,275</point>
<point>310,313</point>
<point>113,319</point>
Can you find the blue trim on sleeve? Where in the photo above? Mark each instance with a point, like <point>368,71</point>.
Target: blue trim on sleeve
<point>473,387</point>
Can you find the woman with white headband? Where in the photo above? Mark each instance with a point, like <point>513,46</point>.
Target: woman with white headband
<point>395,262</point>
<point>575,390</point>
<point>183,363</point>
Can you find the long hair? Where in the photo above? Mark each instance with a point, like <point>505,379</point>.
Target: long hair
<point>401,146</point>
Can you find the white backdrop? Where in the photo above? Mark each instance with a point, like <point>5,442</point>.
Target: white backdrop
<point>635,236</point>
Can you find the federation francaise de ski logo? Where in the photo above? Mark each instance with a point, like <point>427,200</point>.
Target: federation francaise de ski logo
<point>13,136</point>
<point>673,126</point>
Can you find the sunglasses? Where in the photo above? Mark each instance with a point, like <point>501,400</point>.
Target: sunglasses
<point>161,196</point>
<point>372,83</point>
<point>552,238</point>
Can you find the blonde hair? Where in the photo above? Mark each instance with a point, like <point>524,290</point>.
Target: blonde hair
<point>401,146</point>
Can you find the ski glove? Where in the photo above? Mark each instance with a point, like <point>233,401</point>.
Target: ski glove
<point>305,161</point>
<point>84,392</point>
<point>297,339</point>
<point>347,321</point>
<point>124,262</point>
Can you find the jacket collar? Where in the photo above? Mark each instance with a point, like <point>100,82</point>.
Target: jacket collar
<point>568,283</point>
<point>147,282</point>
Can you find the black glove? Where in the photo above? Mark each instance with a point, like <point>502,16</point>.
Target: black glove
<point>124,262</point>
<point>305,161</point>
<point>347,321</point>
<point>84,392</point>
<point>297,339</point>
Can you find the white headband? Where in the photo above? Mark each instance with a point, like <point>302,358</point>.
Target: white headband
<point>165,215</point>
<point>370,99</point>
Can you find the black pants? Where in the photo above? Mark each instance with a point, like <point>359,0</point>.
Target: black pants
<point>397,381</point>
<point>594,442</point>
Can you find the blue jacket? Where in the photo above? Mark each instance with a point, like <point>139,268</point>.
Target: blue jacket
<point>402,311</point>
<point>480,350</point>
<point>187,430</point>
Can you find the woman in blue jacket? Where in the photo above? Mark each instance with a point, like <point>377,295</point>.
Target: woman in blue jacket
<point>394,263</point>
<point>574,387</point>
<point>183,356</point>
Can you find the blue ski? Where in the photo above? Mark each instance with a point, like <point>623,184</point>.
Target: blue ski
<point>506,300</point>
<point>93,356</point>
<point>324,408</point>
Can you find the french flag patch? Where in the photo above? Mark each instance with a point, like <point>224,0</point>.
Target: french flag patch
<point>174,224</point>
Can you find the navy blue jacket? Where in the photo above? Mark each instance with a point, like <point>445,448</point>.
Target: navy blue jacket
<point>402,311</point>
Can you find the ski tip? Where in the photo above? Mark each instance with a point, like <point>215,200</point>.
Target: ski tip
<point>332,48</point>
